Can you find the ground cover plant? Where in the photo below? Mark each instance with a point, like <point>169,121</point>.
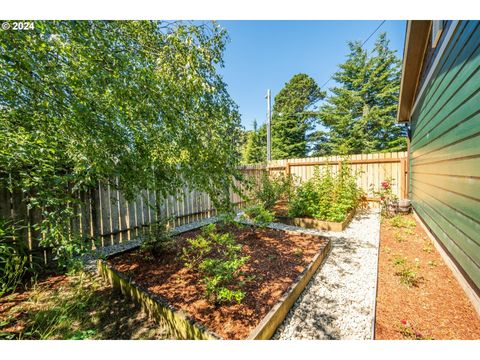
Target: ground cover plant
<point>218,257</point>
<point>326,196</point>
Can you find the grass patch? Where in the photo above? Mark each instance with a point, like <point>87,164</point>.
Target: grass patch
<point>79,307</point>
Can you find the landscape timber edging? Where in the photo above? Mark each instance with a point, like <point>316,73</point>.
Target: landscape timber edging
<point>311,223</point>
<point>181,325</point>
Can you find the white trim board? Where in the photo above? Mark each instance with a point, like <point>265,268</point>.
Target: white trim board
<point>446,41</point>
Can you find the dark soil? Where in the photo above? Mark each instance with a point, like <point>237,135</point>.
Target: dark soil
<point>436,307</point>
<point>276,260</point>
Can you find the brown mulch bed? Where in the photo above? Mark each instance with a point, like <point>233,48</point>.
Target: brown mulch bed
<point>435,306</point>
<point>276,260</point>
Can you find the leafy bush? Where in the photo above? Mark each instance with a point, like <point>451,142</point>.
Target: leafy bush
<point>13,258</point>
<point>326,196</point>
<point>260,216</point>
<point>159,239</point>
<point>270,190</point>
<point>217,256</point>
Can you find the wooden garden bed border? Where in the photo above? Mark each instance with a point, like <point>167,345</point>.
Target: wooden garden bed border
<point>311,223</point>
<point>182,325</point>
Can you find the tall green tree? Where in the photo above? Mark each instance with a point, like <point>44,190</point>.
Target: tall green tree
<point>255,150</point>
<point>360,113</point>
<point>292,117</point>
<point>136,104</point>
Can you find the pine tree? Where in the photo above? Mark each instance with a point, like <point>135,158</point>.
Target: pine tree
<point>291,119</point>
<point>255,149</point>
<point>360,115</point>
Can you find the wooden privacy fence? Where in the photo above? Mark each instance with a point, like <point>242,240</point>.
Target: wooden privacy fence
<point>106,217</point>
<point>371,169</point>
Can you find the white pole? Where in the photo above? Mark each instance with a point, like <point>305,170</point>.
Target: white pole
<point>269,120</point>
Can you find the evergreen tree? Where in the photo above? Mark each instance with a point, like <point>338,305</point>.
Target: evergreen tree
<point>292,120</point>
<point>360,113</point>
<point>255,150</point>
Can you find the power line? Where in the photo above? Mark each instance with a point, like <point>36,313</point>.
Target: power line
<point>368,38</point>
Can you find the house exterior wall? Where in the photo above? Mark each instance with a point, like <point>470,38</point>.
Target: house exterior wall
<point>445,150</point>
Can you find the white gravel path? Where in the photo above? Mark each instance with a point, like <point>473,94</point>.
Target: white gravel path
<point>339,301</point>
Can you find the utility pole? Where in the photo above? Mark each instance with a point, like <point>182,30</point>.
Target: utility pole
<point>269,120</point>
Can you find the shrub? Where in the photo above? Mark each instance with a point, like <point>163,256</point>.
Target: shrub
<point>159,239</point>
<point>386,195</point>
<point>260,216</point>
<point>270,190</point>
<point>217,256</point>
<point>326,196</point>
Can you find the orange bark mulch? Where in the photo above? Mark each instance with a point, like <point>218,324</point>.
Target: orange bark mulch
<point>434,306</point>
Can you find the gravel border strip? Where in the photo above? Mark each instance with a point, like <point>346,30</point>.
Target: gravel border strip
<point>90,259</point>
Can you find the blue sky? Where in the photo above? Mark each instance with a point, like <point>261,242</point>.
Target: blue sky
<point>266,54</point>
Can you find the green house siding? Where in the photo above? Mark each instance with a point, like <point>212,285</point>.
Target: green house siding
<point>445,150</point>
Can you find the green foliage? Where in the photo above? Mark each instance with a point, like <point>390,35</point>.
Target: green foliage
<point>271,189</point>
<point>360,113</point>
<point>132,104</point>
<point>326,196</point>
<point>255,147</point>
<point>13,258</point>
<point>292,119</point>
<point>67,308</point>
<point>400,221</point>
<point>217,256</point>
<point>405,271</point>
<point>159,239</point>
<point>260,216</point>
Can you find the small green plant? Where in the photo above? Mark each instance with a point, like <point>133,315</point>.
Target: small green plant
<point>428,248</point>
<point>398,236</point>
<point>432,263</point>
<point>217,256</point>
<point>408,332</point>
<point>407,272</point>
<point>159,239</point>
<point>260,216</point>
<point>401,221</point>
<point>409,232</point>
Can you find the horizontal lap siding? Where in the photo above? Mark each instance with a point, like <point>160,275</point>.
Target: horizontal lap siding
<point>445,150</point>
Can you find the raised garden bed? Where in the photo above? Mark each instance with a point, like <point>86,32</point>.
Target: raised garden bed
<point>280,266</point>
<point>281,214</point>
